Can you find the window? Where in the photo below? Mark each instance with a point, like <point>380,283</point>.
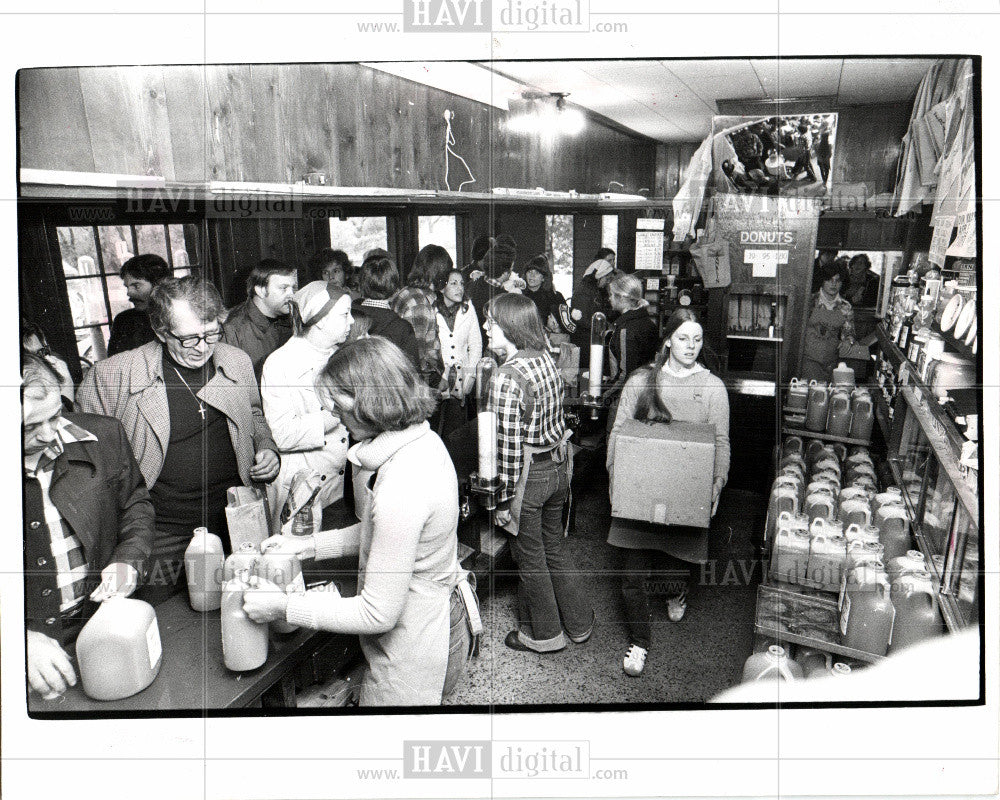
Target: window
<point>609,232</point>
<point>357,235</point>
<point>559,247</point>
<point>92,257</point>
<point>438,230</point>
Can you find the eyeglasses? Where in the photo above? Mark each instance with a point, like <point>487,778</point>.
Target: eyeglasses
<point>193,341</point>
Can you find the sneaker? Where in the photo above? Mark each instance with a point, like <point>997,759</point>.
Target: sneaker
<point>634,661</point>
<point>676,606</point>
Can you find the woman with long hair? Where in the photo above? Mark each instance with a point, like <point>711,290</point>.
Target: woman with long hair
<point>675,387</point>
<point>534,464</point>
<point>416,303</point>
<point>414,612</point>
<point>461,349</point>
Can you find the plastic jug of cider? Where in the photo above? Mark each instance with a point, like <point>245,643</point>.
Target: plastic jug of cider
<point>820,505</point>
<point>285,570</point>
<point>793,445</point>
<point>855,511</point>
<point>910,562</point>
<point>798,396</point>
<point>203,561</point>
<point>818,406</point>
<point>893,529</point>
<point>243,560</point>
<point>119,650</point>
<point>892,496</point>
<point>773,663</point>
<point>815,448</point>
<point>790,556</point>
<point>862,414</point>
<point>917,614</point>
<point>838,422</point>
<point>827,555</point>
<point>843,376</point>
<point>244,642</point>
<point>867,614</point>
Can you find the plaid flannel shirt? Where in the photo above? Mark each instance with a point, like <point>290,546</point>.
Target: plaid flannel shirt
<point>68,555</point>
<point>544,427</point>
<point>418,307</point>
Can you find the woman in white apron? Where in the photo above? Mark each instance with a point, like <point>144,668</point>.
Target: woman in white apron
<point>415,611</point>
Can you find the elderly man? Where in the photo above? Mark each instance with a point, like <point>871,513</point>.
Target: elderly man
<point>88,522</point>
<point>192,411</point>
<point>262,324</point>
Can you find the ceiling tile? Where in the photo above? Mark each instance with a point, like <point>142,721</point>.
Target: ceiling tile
<point>881,80</point>
<point>798,77</point>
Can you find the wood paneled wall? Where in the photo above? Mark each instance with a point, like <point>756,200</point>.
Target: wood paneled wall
<point>672,159</point>
<point>278,122</point>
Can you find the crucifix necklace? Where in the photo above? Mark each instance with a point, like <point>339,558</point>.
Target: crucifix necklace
<point>201,406</point>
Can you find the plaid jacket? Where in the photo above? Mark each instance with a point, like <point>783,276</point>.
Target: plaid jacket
<point>536,420</point>
<point>418,307</point>
<point>130,387</point>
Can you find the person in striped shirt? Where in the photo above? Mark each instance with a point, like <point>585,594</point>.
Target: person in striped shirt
<point>88,522</point>
<point>534,463</point>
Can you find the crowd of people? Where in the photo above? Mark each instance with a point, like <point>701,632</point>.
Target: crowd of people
<point>361,379</point>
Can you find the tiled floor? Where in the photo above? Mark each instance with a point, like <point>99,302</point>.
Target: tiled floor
<point>689,661</point>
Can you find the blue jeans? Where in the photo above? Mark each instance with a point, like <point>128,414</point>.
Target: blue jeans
<point>550,594</point>
<point>460,644</point>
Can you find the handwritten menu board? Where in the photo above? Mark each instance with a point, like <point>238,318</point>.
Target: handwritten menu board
<point>649,244</point>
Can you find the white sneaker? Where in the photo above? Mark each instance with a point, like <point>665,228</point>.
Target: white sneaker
<point>634,661</point>
<point>676,606</point>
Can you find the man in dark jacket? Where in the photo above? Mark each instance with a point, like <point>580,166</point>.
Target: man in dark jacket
<point>88,522</point>
<point>131,328</point>
<point>262,323</point>
<point>379,281</point>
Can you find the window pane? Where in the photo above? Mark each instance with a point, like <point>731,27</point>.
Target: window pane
<point>438,230</point>
<point>184,245</point>
<point>357,235</point>
<point>79,253</point>
<point>117,295</point>
<point>116,246</point>
<point>92,344</point>
<point>609,232</point>
<point>86,300</point>
<point>152,239</point>
<point>559,243</point>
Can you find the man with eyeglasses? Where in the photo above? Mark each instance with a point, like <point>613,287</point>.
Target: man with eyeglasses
<point>192,411</point>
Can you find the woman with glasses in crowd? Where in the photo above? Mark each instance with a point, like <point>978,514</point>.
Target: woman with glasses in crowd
<point>534,465</point>
<point>414,612</point>
<point>675,387</point>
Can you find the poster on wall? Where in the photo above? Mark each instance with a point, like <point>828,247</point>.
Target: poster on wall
<point>788,155</point>
<point>649,244</point>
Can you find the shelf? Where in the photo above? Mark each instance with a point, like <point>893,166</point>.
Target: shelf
<point>747,337</point>
<point>826,437</point>
<point>948,604</point>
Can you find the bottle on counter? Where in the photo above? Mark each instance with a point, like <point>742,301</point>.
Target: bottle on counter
<point>244,642</point>
<point>843,377</point>
<point>203,562</point>
<point>119,651</point>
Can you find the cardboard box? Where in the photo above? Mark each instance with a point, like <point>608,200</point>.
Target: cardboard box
<point>663,473</point>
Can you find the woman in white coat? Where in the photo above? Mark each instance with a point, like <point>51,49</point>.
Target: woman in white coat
<point>461,349</point>
<point>415,611</point>
<point>308,436</point>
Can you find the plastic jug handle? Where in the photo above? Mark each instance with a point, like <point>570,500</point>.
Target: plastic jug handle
<point>818,524</point>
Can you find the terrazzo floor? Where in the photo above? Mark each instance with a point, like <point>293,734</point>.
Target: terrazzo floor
<point>689,661</point>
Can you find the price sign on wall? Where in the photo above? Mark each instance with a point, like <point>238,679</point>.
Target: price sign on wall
<point>649,244</point>
<point>765,262</point>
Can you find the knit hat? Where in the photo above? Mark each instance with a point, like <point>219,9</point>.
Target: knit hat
<point>600,268</point>
<point>314,301</point>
